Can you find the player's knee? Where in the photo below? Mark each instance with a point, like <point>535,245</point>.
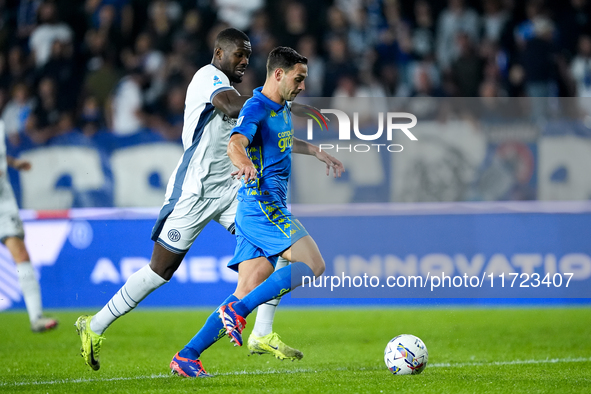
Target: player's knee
<point>164,269</point>
<point>16,247</point>
<point>21,256</point>
<point>318,266</point>
<point>245,287</point>
<point>165,263</point>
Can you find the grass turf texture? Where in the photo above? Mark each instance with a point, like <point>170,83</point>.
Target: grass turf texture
<point>521,350</point>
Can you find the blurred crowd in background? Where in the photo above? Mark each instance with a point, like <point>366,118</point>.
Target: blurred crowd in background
<point>122,66</point>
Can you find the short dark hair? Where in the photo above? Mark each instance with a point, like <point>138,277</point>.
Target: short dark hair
<point>230,36</point>
<point>285,58</point>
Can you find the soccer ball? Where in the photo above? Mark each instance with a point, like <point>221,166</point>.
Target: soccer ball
<point>406,355</point>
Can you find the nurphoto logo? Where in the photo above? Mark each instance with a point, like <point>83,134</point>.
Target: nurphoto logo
<point>344,122</point>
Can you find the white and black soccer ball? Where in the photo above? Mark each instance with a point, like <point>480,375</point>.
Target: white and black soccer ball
<point>406,355</point>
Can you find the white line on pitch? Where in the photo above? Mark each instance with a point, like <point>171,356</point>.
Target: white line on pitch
<point>303,370</point>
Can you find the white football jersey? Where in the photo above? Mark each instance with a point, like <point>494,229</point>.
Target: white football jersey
<point>3,163</point>
<point>204,169</point>
<point>10,223</point>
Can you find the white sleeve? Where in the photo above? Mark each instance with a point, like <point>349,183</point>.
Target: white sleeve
<point>212,81</point>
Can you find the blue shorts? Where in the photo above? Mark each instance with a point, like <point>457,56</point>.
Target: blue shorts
<point>264,229</point>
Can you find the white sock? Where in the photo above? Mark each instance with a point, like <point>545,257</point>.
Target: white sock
<point>138,286</point>
<point>31,290</point>
<point>263,324</point>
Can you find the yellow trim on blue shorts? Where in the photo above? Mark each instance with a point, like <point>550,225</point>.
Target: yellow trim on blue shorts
<point>263,210</point>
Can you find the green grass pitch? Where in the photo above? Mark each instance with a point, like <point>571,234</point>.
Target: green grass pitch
<point>471,350</point>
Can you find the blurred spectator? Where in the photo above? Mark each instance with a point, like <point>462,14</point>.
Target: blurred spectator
<point>160,26</point>
<point>107,26</point>
<point>5,28</point>
<point>16,112</point>
<point>260,30</point>
<point>425,81</point>
<point>423,35</point>
<point>125,112</point>
<point>466,70</point>
<point>489,89</point>
<point>525,30</point>
<point>307,47</point>
<point>572,23</point>
<point>361,37</point>
<point>101,79</point>
<point>349,86</point>
<point>339,64</point>
<point>424,89</point>
<point>349,7</point>
<point>26,20</point>
<point>94,49</point>
<point>238,13</point>
<point>454,19</point>
<point>189,41</point>
<point>171,8</point>
<point>506,40</point>
<point>19,69</point>
<point>50,29</point>
<point>114,18</point>
<point>390,80</point>
<point>181,63</point>
<point>395,42</point>
<point>62,68</point>
<point>538,60</point>
<point>168,122</point>
<point>337,23</point>
<point>90,120</point>
<point>4,76</point>
<point>152,63</point>
<point>494,19</point>
<point>65,124</point>
<point>540,68</point>
<point>581,67</point>
<point>295,24</point>
<point>258,61</point>
<point>42,124</point>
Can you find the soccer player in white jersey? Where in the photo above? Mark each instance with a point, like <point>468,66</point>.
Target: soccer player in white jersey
<point>200,189</point>
<point>12,236</point>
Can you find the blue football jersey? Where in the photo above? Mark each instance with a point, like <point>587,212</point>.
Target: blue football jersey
<point>268,127</point>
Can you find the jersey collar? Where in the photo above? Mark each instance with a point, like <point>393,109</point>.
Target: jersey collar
<point>270,103</point>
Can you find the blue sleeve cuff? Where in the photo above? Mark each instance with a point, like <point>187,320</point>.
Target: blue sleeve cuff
<point>222,89</point>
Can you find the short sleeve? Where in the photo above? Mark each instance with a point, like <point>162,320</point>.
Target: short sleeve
<point>212,82</point>
<point>249,119</point>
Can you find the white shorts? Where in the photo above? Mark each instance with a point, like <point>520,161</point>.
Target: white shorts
<point>10,222</point>
<point>182,219</point>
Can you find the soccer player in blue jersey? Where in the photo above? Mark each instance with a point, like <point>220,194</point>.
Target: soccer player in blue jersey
<point>260,147</point>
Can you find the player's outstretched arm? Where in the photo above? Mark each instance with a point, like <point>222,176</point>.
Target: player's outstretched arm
<point>18,164</point>
<point>237,154</point>
<point>305,148</point>
<point>229,102</point>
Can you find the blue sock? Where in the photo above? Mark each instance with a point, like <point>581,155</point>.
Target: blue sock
<point>212,330</point>
<point>277,284</point>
